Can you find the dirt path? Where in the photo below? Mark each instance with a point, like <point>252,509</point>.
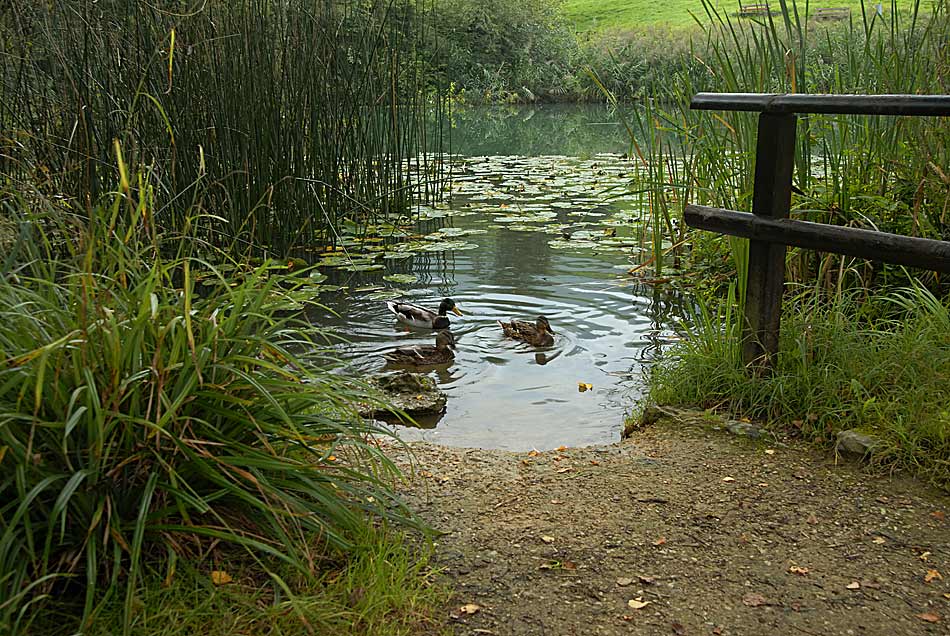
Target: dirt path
<point>720,535</point>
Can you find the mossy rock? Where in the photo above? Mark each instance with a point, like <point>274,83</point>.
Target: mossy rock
<point>412,393</point>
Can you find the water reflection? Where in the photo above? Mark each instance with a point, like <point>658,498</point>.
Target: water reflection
<point>504,393</point>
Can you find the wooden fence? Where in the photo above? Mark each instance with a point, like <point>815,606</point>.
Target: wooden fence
<point>768,226</point>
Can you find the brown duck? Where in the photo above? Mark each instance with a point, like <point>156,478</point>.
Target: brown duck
<point>425,355</point>
<point>538,333</point>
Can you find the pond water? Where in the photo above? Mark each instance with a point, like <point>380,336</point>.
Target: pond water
<point>526,232</point>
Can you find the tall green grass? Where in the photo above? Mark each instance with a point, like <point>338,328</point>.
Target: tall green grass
<point>143,419</point>
<point>882,172</point>
<point>298,115</point>
<point>881,366</point>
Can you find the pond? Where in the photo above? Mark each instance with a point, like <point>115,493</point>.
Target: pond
<point>527,231</point>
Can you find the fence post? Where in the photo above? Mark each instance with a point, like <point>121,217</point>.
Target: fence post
<point>772,195</point>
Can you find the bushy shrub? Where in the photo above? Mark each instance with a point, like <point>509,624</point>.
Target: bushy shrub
<point>144,415</point>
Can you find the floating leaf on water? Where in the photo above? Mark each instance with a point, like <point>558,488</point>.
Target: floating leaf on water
<point>397,255</point>
<point>363,268</point>
<point>386,294</point>
<point>571,244</point>
<point>317,276</point>
<point>402,279</point>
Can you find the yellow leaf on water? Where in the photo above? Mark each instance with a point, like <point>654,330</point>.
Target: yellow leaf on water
<point>220,577</point>
<point>584,386</point>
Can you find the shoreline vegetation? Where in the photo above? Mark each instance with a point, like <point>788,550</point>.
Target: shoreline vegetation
<point>173,437</point>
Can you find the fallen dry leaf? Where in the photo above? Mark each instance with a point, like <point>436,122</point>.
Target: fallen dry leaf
<point>924,556</point>
<point>469,608</point>
<point>660,541</point>
<point>679,629</point>
<point>594,462</point>
<point>879,540</point>
<point>556,502</point>
<point>584,386</point>
<point>533,453</point>
<point>769,451</point>
<point>717,630</point>
<point>220,577</point>
<point>931,575</point>
<point>569,565</point>
<point>637,603</point>
<point>853,585</point>
<point>938,515</point>
<point>566,469</point>
<point>946,595</point>
<point>728,479</point>
<point>812,519</point>
<point>930,618</point>
<point>561,449</point>
<point>547,539</point>
<point>624,581</point>
<point>800,571</point>
<point>646,580</point>
<point>754,599</point>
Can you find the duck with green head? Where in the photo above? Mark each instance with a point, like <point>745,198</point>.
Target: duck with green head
<point>416,316</point>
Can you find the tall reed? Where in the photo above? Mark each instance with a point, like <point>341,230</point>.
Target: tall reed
<point>882,172</point>
<point>297,115</point>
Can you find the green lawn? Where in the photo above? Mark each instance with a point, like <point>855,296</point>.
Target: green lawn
<point>599,15</point>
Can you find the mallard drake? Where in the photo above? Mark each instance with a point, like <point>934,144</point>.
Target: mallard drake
<point>416,316</point>
<point>538,333</point>
<point>424,355</point>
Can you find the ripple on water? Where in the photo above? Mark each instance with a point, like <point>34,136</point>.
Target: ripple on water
<point>504,393</point>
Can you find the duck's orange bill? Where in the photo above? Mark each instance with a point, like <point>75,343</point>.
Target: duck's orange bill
<point>456,311</point>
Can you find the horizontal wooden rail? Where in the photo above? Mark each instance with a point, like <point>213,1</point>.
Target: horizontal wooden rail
<point>932,105</point>
<point>870,244</point>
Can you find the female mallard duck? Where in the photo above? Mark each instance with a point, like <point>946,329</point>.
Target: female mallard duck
<point>538,333</point>
<point>424,355</point>
<point>416,316</point>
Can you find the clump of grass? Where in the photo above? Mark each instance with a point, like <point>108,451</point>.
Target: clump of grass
<point>141,420</point>
<point>384,587</point>
<point>881,365</point>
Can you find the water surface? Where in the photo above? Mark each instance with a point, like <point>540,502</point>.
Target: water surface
<point>544,234</point>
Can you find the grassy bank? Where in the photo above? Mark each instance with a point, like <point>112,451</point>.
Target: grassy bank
<point>859,350</point>
<point>160,420</point>
<point>597,16</point>
<point>879,365</point>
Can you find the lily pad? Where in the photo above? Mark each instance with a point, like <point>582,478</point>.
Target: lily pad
<point>402,279</point>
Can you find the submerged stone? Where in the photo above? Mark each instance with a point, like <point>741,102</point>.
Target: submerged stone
<point>412,393</point>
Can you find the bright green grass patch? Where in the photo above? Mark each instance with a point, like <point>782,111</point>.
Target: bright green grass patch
<point>881,366</point>
<point>384,587</point>
<point>618,15</point>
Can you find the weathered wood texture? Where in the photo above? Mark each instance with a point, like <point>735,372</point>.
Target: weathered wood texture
<point>771,198</point>
<point>831,13</point>
<point>869,244</point>
<point>919,105</point>
<point>753,9</point>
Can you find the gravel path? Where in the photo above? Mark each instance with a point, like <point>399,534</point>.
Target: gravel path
<point>682,530</point>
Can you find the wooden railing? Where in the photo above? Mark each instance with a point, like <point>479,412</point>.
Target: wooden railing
<point>769,228</point>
